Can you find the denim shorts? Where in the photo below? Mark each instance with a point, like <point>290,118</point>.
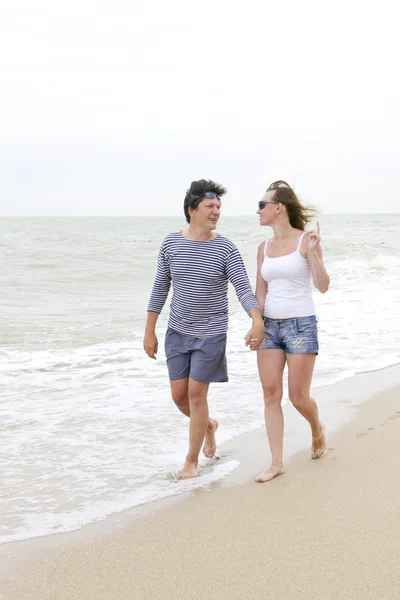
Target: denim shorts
<point>200,358</point>
<point>294,336</point>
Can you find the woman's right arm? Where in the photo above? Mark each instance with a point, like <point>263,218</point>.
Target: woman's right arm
<point>261,284</point>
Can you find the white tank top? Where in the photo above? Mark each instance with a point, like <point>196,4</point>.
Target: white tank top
<point>289,285</point>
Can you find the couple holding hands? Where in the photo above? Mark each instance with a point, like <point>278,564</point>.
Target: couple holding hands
<point>199,263</point>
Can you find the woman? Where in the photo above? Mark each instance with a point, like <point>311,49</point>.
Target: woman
<point>286,264</point>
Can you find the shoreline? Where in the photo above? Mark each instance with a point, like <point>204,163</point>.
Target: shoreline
<point>327,529</point>
<point>244,448</point>
<point>339,406</point>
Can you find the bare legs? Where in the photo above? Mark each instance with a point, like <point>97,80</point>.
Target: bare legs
<point>190,396</point>
<point>301,367</point>
<point>271,364</point>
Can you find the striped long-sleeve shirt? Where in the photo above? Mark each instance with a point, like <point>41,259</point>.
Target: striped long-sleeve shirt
<point>199,272</point>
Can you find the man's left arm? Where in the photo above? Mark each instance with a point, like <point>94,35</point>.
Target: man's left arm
<point>237,275</point>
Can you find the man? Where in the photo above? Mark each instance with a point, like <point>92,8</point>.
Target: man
<point>199,263</point>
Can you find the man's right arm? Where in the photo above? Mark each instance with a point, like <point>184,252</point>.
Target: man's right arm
<point>150,342</point>
<point>159,294</point>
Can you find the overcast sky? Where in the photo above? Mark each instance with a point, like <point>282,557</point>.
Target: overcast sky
<point>114,107</point>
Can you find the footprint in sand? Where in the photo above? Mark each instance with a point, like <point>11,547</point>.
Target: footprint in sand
<point>366,432</point>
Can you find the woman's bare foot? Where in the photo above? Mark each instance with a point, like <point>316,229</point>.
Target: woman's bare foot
<point>189,470</point>
<point>318,443</point>
<point>210,445</point>
<point>269,474</point>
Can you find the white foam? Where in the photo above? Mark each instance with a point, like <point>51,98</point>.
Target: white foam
<point>49,523</point>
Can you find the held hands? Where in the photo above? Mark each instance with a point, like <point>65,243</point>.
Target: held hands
<point>255,336</point>
<point>150,344</point>
<point>313,239</point>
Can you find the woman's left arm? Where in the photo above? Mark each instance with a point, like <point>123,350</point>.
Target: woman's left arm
<point>320,276</point>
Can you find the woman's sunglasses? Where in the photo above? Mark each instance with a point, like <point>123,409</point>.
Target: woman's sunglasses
<point>262,204</point>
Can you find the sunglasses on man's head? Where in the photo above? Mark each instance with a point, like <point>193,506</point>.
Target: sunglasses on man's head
<point>262,204</point>
<point>209,195</point>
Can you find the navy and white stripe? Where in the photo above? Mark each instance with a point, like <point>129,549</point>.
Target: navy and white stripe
<point>199,272</point>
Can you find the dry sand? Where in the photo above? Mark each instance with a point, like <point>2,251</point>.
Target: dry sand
<point>326,530</point>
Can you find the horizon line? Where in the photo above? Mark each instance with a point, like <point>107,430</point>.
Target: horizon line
<point>328,214</point>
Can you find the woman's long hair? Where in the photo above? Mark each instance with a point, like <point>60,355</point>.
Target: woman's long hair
<point>299,215</point>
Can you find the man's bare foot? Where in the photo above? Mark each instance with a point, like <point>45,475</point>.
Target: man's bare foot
<point>269,474</point>
<point>210,445</point>
<point>318,443</point>
<point>189,470</point>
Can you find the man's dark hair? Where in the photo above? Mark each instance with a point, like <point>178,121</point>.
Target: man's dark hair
<point>195,193</point>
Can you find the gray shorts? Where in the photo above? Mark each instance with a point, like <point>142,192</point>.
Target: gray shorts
<point>202,359</point>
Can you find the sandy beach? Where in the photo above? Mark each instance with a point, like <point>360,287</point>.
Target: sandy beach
<point>327,529</point>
